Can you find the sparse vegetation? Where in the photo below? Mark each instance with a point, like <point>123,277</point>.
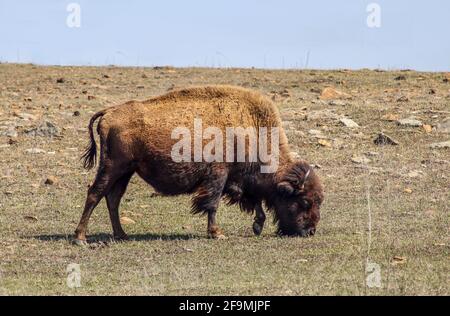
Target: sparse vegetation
<point>43,122</point>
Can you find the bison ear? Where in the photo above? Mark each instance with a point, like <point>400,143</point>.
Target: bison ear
<point>285,188</point>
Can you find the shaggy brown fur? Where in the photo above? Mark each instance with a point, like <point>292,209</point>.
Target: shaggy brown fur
<point>136,137</point>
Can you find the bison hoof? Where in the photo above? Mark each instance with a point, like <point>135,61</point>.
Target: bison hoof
<point>217,235</point>
<point>257,228</point>
<point>80,242</point>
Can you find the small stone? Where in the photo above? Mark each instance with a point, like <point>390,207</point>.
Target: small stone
<point>31,218</point>
<point>414,174</point>
<point>91,97</point>
<point>360,159</point>
<point>126,221</point>
<point>390,117</point>
<point>60,80</point>
<point>25,116</point>
<point>401,77</point>
<point>51,180</point>
<point>408,190</point>
<point>76,113</point>
<point>427,128</point>
<point>348,122</point>
<point>409,122</point>
<point>106,76</point>
<point>441,145</point>
<point>403,99</point>
<point>324,143</point>
<point>331,93</point>
<point>46,129</point>
<point>35,151</point>
<point>383,139</point>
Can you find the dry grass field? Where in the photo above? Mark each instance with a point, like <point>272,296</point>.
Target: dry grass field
<point>387,205</point>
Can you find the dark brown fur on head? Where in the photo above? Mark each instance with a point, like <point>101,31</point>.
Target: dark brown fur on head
<point>296,200</point>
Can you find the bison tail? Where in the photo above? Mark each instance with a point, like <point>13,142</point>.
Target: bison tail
<point>89,156</point>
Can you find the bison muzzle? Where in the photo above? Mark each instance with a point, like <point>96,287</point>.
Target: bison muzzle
<point>137,137</point>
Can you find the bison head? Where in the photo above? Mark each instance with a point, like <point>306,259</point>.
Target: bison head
<point>297,200</point>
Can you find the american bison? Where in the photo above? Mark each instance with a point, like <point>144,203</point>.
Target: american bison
<point>138,137</point>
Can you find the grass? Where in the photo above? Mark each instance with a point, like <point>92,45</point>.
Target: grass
<point>168,253</point>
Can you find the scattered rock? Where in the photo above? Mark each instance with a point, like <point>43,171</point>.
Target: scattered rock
<point>46,129</point>
<point>51,180</point>
<point>106,76</point>
<point>414,174</point>
<point>427,128</point>
<point>403,99</point>
<point>126,221</point>
<point>324,143</point>
<point>408,190</point>
<point>60,80</point>
<point>444,126</point>
<point>441,145</point>
<point>409,122</point>
<point>25,116</point>
<point>322,115</point>
<point>315,133</point>
<point>35,151</point>
<point>383,139</point>
<point>331,93</point>
<point>144,76</point>
<point>91,97</point>
<point>76,113</point>
<point>348,122</point>
<point>31,218</point>
<point>360,159</point>
<point>397,260</point>
<point>390,117</point>
<point>9,131</point>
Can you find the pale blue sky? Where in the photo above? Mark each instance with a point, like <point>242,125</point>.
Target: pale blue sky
<point>229,33</point>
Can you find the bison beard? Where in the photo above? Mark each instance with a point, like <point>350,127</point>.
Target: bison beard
<point>136,138</point>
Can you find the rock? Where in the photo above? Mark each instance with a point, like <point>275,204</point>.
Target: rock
<point>441,145</point>
<point>401,77</point>
<point>390,117</point>
<point>337,103</point>
<point>126,221</point>
<point>25,116</point>
<point>76,113</point>
<point>444,126</point>
<point>360,159</point>
<point>31,218</point>
<point>383,139</point>
<point>409,122</point>
<point>35,151</point>
<point>9,131</point>
<point>322,115</point>
<point>315,133</point>
<point>427,128</point>
<point>414,174</point>
<point>46,129</point>
<point>397,260</point>
<point>331,93</point>
<point>106,76</point>
<point>60,80</point>
<point>348,122</point>
<point>51,180</point>
<point>408,190</point>
<point>403,99</point>
<point>324,143</point>
<point>91,97</point>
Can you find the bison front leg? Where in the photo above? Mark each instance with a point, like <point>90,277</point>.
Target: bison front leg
<point>207,198</point>
<point>260,218</point>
